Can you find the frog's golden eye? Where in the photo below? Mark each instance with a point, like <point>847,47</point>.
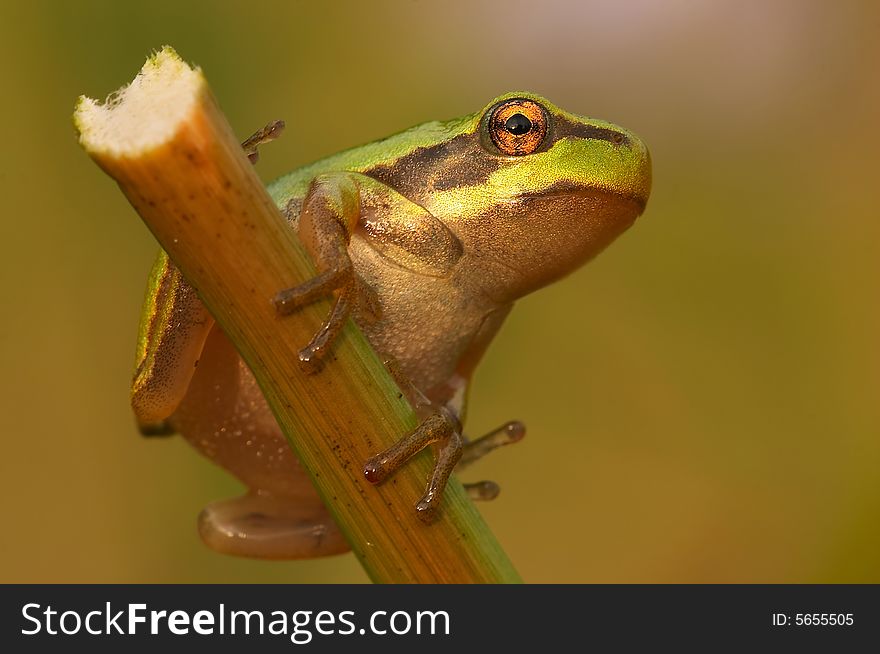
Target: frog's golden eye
<point>518,126</point>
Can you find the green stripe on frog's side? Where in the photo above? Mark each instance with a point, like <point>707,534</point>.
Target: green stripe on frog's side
<point>156,309</point>
<point>174,325</point>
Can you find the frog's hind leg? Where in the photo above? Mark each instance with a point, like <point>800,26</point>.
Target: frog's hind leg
<point>174,327</point>
<point>263,526</point>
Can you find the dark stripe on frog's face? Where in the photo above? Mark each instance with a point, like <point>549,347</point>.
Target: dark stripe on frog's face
<point>464,160</point>
<point>460,161</point>
<point>563,127</point>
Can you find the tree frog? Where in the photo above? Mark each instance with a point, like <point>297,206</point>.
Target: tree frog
<point>425,239</point>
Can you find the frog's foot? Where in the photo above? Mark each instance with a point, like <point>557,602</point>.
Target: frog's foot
<point>440,427</point>
<point>266,527</point>
<point>351,293</point>
<point>268,133</point>
<point>508,433</point>
<point>292,299</point>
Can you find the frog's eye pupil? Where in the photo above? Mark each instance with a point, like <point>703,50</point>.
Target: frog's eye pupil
<point>518,124</point>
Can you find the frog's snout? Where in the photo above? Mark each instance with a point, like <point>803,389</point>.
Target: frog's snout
<point>638,169</point>
<point>646,173</point>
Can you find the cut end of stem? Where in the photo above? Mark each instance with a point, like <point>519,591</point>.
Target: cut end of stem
<point>144,114</point>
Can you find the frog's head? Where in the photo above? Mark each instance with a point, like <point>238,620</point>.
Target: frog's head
<point>537,191</point>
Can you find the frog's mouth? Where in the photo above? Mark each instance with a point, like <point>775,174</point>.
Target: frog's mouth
<point>611,194</point>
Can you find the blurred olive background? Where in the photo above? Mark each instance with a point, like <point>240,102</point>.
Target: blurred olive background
<point>702,400</point>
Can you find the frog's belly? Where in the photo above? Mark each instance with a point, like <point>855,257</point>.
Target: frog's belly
<point>225,417</point>
<point>427,323</point>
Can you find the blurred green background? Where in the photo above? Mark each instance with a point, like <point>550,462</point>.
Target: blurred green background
<point>702,400</point>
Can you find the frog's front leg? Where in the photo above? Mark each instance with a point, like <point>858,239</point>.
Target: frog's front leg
<point>402,231</point>
<point>330,211</point>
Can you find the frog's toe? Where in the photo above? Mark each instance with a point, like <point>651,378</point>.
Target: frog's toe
<point>312,355</point>
<point>483,491</point>
<point>266,527</point>
<point>506,434</point>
